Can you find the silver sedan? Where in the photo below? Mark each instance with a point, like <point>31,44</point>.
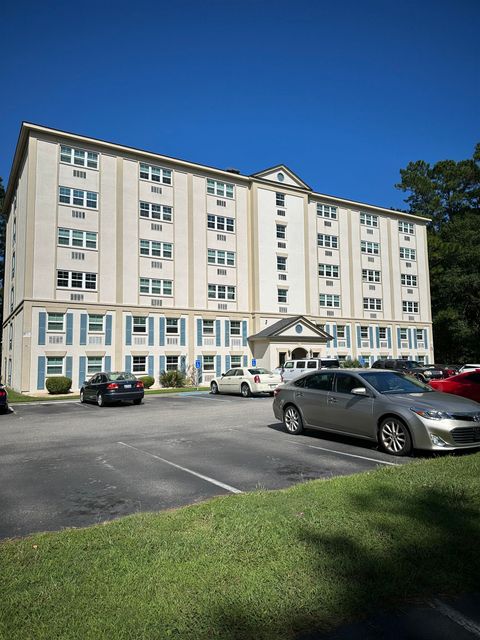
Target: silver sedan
<point>388,407</point>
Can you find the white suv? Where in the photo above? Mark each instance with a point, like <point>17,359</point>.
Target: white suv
<point>294,368</point>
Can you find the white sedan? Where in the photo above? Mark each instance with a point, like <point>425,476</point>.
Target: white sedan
<point>246,382</point>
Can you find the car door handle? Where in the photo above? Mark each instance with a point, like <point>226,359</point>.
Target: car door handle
<point>298,394</point>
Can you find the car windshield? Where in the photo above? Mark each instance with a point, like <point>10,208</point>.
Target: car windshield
<point>259,372</point>
<point>394,382</point>
<point>121,375</point>
<point>411,364</point>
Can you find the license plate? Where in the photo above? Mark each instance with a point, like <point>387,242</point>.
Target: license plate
<point>272,386</point>
<point>127,386</point>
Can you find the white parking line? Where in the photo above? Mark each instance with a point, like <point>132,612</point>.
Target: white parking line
<point>343,453</point>
<point>227,487</point>
<point>456,616</point>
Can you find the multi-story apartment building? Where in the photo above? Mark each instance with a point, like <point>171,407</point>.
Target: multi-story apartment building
<point>118,258</point>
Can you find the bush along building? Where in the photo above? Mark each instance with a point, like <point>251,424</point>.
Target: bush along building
<point>123,259</point>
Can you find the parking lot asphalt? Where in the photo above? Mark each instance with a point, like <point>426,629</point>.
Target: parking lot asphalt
<point>73,465</point>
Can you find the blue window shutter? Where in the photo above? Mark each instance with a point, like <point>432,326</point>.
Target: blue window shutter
<point>378,337</point>
<point>409,338</point>
<point>69,336</point>
<point>42,326</point>
<point>162,364</point>
<point>227,363</point>
<point>128,364</point>
<point>200,371</point>
<point>217,333</point>
<point>244,333</point>
<point>41,372</point>
<point>183,364</point>
<point>359,337</point>
<point>108,329</point>
<point>150,365</point>
<point>415,341</point>
<point>128,330</point>
<point>335,340</point>
<point>218,366</point>
<point>399,339</point>
<point>327,329</point>
<point>425,337</point>
<point>83,328</point>
<point>245,361</point>
<point>199,332</point>
<point>82,370</point>
<point>370,333</point>
<point>183,330</point>
<point>347,330</point>
<point>108,364</point>
<point>151,331</point>
<point>227,334</point>
<point>389,337</point>
<point>161,334</point>
<point>68,367</point>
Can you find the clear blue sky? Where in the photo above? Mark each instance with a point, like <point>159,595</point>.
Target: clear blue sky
<point>344,93</point>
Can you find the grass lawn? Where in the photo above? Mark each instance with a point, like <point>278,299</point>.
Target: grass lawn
<point>262,565</point>
<point>14,396</point>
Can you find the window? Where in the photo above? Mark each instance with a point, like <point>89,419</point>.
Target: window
<point>154,249</point>
<point>76,238</point>
<point>236,361</point>
<point>281,263</point>
<point>330,242</point>
<point>407,254</point>
<point>139,324</point>
<point>78,197</point>
<point>208,328</point>
<point>222,189</point>
<point>280,199</point>
<point>77,280</point>
<point>327,211</point>
<point>341,331</point>
<point>345,383</point>
<point>328,270</point>
<point>368,219</point>
<point>79,157</point>
<point>156,211</point>
<point>12,298</point>
<point>171,363</point>
<point>319,381</point>
<point>370,247</point>
<point>224,258</point>
<point>372,304</point>
<point>403,334</point>
<point>172,326</point>
<point>220,223</point>
<point>94,365</point>
<point>221,292</point>
<point>55,321</point>
<point>281,231</point>
<point>409,306</point>
<point>153,287</point>
<point>235,329</point>
<point>208,364</point>
<point>369,275</point>
<point>14,231</point>
<point>329,300</point>
<point>95,323</point>
<point>364,333</point>
<point>409,280</point>
<point>139,364</point>
<point>54,366</point>
<point>382,333</point>
<point>282,296</point>
<point>155,174</point>
<point>406,227</point>
<point>13,264</point>
<point>419,334</point>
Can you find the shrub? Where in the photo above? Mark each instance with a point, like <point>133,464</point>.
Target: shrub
<point>352,364</point>
<point>172,379</point>
<point>148,381</point>
<point>58,384</point>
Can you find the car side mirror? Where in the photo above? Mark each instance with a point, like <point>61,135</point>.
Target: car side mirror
<point>223,375</point>
<point>85,382</point>
<point>360,391</point>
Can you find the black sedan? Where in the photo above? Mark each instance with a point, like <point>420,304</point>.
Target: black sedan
<point>117,386</point>
<point>3,399</point>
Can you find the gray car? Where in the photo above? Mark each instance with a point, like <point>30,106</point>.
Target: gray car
<point>388,407</point>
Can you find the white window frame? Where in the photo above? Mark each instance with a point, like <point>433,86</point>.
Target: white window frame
<point>78,198</point>
<point>370,248</point>
<point>371,275</point>
<point>372,304</point>
<point>235,328</point>
<point>282,263</point>
<point>364,332</point>
<point>153,211</point>
<point>139,325</point>
<point>282,295</point>
<point>220,189</point>
<point>408,254</point>
<point>326,211</point>
<point>420,335</point>
<point>93,321</point>
<point>410,306</point>
<point>171,363</point>
<point>72,277</point>
<point>57,369</point>
<point>406,227</point>
<point>220,223</point>
<point>328,270</point>
<point>156,249</point>
<point>222,292</point>
<point>221,257</point>
<point>139,364</point>
<point>208,364</point>
<point>327,241</point>
<point>53,324</point>
<point>382,333</point>
<point>77,239</point>
<point>403,334</point>
<point>281,231</point>
<point>329,300</point>
<point>409,280</point>
<point>172,326</point>
<point>368,219</point>
<point>208,328</point>
<point>155,287</point>
<point>341,332</point>
<point>279,199</point>
<point>92,368</point>
<point>235,362</point>
<point>154,173</point>
<point>78,157</point>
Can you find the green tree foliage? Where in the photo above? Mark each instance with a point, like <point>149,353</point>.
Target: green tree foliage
<point>449,194</point>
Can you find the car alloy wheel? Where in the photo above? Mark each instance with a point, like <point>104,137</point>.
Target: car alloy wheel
<point>100,400</point>
<point>214,388</point>
<point>292,420</point>
<point>82,397</point>
<point>394,437</point>
<point>246,393</point>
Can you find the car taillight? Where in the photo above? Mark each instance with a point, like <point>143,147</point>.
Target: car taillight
<point>139,384</point>
<point>112,385</point>
<point>256,379</point>
<point>2,393</point>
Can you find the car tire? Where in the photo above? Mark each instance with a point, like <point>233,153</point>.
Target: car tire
<point>100,400</point>
<point>271,394</point>
<point>214,388</point>
<point>245,390</point>
<point>82,396</point>
<point>138,401</point>
<point>394,437</point>
<point>292,420</point>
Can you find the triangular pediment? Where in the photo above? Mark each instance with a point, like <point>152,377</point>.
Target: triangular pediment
<point>296,328</point>
<point>281,175</point>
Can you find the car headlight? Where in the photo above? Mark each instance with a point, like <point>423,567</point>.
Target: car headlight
<point>427,374</point>
<point>431,414</point>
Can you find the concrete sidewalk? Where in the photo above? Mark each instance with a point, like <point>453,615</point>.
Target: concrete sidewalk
<point>438,619</point>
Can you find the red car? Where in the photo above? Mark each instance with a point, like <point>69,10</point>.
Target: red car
<point>463,384</point>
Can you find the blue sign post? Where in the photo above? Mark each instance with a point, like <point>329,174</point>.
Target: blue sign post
<point>197,364</point>
<point>254,362</point>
